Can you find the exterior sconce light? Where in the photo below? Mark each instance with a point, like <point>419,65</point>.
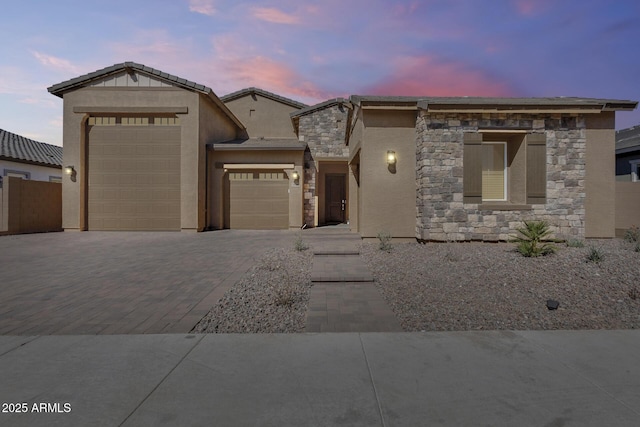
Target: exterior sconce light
<point>69,170</point>
<point>391,157</point>
<point>295,175</point>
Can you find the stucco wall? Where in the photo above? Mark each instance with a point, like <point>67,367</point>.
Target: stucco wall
<point>36,172</point>
<point>387,195</point>
<point>441,213</point>
<point>263,117</point>
<point>600,176</point>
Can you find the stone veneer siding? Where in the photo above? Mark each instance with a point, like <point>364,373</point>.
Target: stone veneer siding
<point>324,133</point>
<point>441,213</point>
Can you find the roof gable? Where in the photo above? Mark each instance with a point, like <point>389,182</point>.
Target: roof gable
<point>18,148</point>
<point>252,91</point>
<point>127,74</point>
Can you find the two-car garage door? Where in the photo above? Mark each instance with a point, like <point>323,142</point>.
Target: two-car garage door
<point>134,178</point>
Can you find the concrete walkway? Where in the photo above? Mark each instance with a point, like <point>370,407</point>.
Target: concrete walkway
<point>558,378</point>
<point>344,297</point>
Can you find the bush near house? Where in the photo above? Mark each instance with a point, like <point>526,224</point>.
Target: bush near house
<point>533,239</point>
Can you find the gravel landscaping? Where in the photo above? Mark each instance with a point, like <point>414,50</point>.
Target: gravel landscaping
<point>474,286</point>
<point>272,297</point>
<point>451,287</point>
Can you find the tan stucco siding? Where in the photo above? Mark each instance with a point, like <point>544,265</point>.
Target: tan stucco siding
<point>263,117</point>
<point>600,176</point>
<point>214,127</point>
<point>627,206</point>
<point>355,142</point>
<point>217,200</point>
<point>388,199</point>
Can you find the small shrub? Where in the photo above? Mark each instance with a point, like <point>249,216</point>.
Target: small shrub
<point>285,293</point>
<point>575,243</point>
<point>533,239</point>
<point>385,241</point>
<point>632,235</point>
<point>595,255</point>
<point>301,245</point>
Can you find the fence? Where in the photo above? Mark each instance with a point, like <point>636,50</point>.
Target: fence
<point>30,206</point>
<point>627,206</point>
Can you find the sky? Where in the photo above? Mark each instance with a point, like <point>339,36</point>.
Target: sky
<point>312,51</point>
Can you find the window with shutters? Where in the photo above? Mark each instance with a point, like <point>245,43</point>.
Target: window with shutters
<point>504,170</point>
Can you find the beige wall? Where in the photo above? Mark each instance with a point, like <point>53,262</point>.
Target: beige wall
<point>627,206</point>
<point>355,199</point>
<point>30,206</point>
<point>388,200</point>
<point>600,176</point>
<point>217,159</point>
<point>202,123</point>
<point>263,117</point>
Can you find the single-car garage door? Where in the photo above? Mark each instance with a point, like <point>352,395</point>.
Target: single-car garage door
<point>258,200</point>
<point>134,178</point>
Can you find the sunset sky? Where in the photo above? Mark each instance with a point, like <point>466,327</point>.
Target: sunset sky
<point>315,50</point>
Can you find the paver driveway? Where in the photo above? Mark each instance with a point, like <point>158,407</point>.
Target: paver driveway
<point>120,282</point>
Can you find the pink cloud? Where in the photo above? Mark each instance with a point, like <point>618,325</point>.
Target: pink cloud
<point>204,7</point>
<point>531,7</point>
<point>427,76</point>
<point>274,16</point>
<point>56,63</point>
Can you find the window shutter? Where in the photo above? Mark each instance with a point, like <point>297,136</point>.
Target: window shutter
<point>472,168</point>
<point>536,168</point>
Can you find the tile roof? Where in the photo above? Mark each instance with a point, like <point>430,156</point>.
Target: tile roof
<point>260,144</point>
<point>424,102</point>
<point>264,93</point>
<point>18,148</point>
<point>317,107</point>
<point>60,88</point>
<point>79,82</point>
<point>628,139</point>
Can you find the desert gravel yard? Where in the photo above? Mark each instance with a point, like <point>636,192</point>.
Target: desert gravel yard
<point>451,287</point>
<point>474,286</point>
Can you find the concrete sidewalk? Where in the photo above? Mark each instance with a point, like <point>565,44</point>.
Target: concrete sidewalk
<point>557,378</point>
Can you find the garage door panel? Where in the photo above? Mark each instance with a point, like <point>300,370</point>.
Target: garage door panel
<point>258,203</point>
<point>133,183</point>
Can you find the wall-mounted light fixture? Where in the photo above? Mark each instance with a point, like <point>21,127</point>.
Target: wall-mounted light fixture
<point>69,170</point>
<point>391,157</point>
<point>295,175</point>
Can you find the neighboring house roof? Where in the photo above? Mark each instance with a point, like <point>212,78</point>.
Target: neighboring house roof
<point>76,83</point>
<point>259,144</point>
<point>24,150</point>
<point>628,140</point>
<point>500,103</point>
<point>264,93</point>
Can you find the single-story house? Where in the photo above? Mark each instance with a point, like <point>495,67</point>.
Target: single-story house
<point>628,154</point>
<point>28,159</point>
<point>152,151</point>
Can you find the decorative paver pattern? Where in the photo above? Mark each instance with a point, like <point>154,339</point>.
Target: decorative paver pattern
<point>121,282</point>
<point>344,297</point>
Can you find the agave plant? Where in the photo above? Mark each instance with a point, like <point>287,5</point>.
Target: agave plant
<point>532,239</point>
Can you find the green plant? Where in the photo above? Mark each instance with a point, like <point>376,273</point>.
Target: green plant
<point>632,235</point>
<point>595,255</point>
<point>300,244</point>
<point>385,241</point>
<point>533,239</point>
<point>575,243</point>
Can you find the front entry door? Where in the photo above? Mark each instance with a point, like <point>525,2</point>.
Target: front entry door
<point>335,199</point>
